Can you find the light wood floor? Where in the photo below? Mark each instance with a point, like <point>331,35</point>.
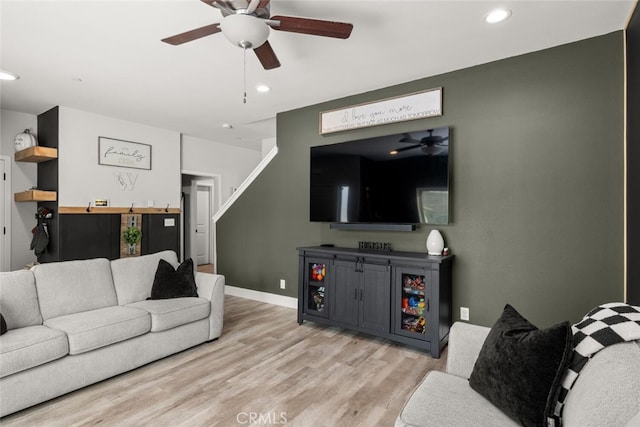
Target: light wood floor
<point>205,268</point>
<point>264,363</point>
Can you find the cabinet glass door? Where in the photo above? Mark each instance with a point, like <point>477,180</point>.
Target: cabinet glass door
<point>316,288</point>
<point>412,310</point>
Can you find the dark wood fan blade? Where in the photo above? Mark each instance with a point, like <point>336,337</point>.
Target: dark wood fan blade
<point>411,147</point>
<point>314,27</point>
<point>267,56</point>
<point>263,3</point>
<point>193,34</point>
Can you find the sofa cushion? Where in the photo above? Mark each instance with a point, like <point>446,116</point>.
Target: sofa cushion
<point>169,313</point>
<point>520,367</point>
<point>27,347</point>
<point>172,282</point>
<point>133,276</point>
<point>98,328</point>
<point>446,400</point>
<point>19,302</point>
<point>74,286</point>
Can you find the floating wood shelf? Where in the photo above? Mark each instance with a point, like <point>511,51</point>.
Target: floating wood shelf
<point>36,196</point>
<point>36,154</point>
<point>115,210</point>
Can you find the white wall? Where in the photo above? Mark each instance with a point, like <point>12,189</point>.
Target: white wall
<point>232,164</point>
<point>82,179</point>
<point>23,176</point>
<point>267,146</point>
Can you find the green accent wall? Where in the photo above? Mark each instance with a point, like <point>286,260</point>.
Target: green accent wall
<point>537,186</point>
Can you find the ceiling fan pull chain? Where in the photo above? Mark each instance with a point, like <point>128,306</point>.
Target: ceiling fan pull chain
<point>244,72</point>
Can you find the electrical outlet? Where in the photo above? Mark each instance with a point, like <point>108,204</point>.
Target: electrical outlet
<point>464,313</point>
<point>282,284</point>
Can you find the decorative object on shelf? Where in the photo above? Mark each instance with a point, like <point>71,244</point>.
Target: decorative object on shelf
<point>131,232</point>
<point>435,243</point>
<point>418,105</point>
<point>131,237</point>
<point>127,154</point>
<point>376,246</point>
<point>24,140</point>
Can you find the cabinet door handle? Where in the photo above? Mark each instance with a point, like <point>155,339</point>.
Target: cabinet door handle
<point>360,294</point>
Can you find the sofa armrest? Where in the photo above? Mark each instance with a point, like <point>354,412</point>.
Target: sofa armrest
<point>211,287</point>
<point>465,342</point>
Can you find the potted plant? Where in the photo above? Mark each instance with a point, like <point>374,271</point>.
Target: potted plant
<point>131,236</point>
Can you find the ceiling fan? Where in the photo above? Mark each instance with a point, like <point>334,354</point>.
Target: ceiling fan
<point>431,144</point>
<point>246,24</point>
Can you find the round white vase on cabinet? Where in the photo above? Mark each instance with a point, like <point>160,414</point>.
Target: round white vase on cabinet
<point>435,243</point>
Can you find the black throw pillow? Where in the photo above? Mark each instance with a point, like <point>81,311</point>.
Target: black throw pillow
<point>174,283</point>
<point>520,367</point>
<point>3,325</point>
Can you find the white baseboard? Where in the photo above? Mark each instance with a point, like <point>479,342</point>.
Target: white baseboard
<point>282,300</point>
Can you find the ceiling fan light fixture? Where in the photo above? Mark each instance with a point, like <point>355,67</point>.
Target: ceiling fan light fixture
<point>245,31</point>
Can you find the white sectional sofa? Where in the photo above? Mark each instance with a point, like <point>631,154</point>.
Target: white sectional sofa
<point>607,392</point>
<point>74,323</point>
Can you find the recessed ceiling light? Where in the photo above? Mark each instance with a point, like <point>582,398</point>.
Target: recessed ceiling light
<point>227,126</point>
<point>497,15</point>
<point>6,75</point>
<point>263,88</point>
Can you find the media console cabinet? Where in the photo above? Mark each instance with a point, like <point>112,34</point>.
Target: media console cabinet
<point>401,296</point>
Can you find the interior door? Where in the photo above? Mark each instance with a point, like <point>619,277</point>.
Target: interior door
<point>203,217</point>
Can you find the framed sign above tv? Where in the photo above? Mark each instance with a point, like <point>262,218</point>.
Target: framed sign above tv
<point>418,105</point>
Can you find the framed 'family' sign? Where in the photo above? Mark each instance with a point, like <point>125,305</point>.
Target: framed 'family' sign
<point>126,154</point>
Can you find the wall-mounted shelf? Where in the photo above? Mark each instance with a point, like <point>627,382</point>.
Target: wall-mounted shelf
<point>115,210</point>
<point>36,154</point>
<point>36,196</point>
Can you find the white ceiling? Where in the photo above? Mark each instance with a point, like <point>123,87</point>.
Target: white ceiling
<point>106,56</point>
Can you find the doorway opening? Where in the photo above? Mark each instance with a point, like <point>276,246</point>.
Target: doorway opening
<point>201,200</point>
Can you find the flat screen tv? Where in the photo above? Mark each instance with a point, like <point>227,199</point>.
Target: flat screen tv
<point>393,179</point>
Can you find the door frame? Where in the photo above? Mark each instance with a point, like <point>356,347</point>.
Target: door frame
<point>198,178</point>
<point>5,232</point>
<point>208,188</point>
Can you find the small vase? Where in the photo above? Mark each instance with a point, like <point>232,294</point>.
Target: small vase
<point>435,243</point>
<point>131,249</point>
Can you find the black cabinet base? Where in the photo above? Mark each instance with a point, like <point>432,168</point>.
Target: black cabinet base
<point>404,297</point>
